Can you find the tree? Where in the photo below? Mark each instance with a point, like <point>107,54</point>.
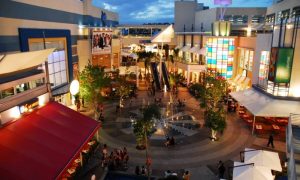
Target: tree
<point>215,90</point>
<point>143,127</point>
<point>146,57</point>
<point>175,57</point>
<point>123,88</point>
<point>166,49</point>
<point>175,79</point>
<point>215,120</point>
<point>92,81</point>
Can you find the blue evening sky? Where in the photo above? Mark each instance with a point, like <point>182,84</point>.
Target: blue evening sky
<point>154,11</point>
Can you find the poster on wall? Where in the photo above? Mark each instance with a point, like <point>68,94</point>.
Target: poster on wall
<point>284,65</point>
<point>101,42</point>
<point>272,63</point>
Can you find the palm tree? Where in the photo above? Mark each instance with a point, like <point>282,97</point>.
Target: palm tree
<point>175,56</point>
<point>144,128</point>
<point>175,79</point>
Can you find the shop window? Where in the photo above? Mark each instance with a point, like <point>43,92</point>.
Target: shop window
<point>270,18</point>
<point>22,87</point>
<point>246,59</point>
<point>264,68</point>
<point>296,12</point>
<point>6,92</point>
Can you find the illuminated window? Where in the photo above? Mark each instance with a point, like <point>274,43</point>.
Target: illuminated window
<point>246,59</point>
<point>219,56</point>
<point>264,67</point>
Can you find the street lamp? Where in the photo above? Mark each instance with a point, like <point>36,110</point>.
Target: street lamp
<point>74,89</point>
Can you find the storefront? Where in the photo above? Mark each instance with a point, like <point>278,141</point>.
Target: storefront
<point>46,143</point>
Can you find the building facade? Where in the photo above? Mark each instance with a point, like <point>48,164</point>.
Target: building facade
<point>62,25</point>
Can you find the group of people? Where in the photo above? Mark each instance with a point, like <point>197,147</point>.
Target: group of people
<point>117,159</point>
<point>186,174</point>
<point>100,112</point>
<point>181,103</point>
<point>141,170</point>
<point>170,142</point>
<point>101,40</point>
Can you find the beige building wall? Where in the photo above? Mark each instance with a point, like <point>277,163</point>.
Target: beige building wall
<point>84,54</point>
<point>295,76</point>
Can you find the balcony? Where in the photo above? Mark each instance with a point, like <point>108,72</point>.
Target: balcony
<point>15,100</point>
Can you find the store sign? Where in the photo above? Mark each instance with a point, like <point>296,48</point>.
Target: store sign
<point>284,65</point>
<point>101,42</point>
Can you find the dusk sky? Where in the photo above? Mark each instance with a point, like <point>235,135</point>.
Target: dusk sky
<point>149,11</point>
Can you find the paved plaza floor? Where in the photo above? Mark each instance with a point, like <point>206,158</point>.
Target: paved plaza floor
<point>194,151</point>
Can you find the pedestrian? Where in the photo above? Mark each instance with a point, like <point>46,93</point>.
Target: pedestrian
<point>137,170</point>
<point>104,150</point>
<point>271,141</point>
<point>143,171</point>
<point>82,102</point>
<point>186,175</point>
<point>221,169</point>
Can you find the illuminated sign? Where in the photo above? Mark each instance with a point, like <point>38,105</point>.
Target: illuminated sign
<point>280,65</point>
<point>284,65</point>
<point>219,56</point>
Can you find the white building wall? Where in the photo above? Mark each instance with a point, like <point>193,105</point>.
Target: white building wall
<point>205,17</point>
<point>184,15</point>
<point>263,43</point>
<point>286,4</point>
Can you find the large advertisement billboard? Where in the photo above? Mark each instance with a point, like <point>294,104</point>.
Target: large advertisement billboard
<point>284,65</point>
<point>272,64</point>
<point>101,43</point>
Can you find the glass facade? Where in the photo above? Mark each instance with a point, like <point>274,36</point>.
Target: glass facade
<point>57,61</point>
<point>219,56</point>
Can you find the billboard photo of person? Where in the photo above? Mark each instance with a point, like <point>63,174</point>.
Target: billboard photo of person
<point>101,42</point>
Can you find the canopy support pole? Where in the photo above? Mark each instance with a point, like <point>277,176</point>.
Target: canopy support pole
<point>253,125</point>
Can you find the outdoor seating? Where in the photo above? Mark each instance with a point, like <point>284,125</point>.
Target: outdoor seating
<point>275,127</point>
<point>283,122</point>
<point>259,128</point>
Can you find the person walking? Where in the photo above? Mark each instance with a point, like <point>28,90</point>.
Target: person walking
<point>221,169</point>
<point>186,175</point>
<point>137,170</point>
<point>271,139</point>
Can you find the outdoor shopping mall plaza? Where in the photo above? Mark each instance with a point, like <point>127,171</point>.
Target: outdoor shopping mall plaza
<point>193,149</point>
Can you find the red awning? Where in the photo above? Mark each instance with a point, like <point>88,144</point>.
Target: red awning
<point>43,143</point>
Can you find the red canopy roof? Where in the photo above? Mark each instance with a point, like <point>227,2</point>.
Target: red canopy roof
<point>43,143</point>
